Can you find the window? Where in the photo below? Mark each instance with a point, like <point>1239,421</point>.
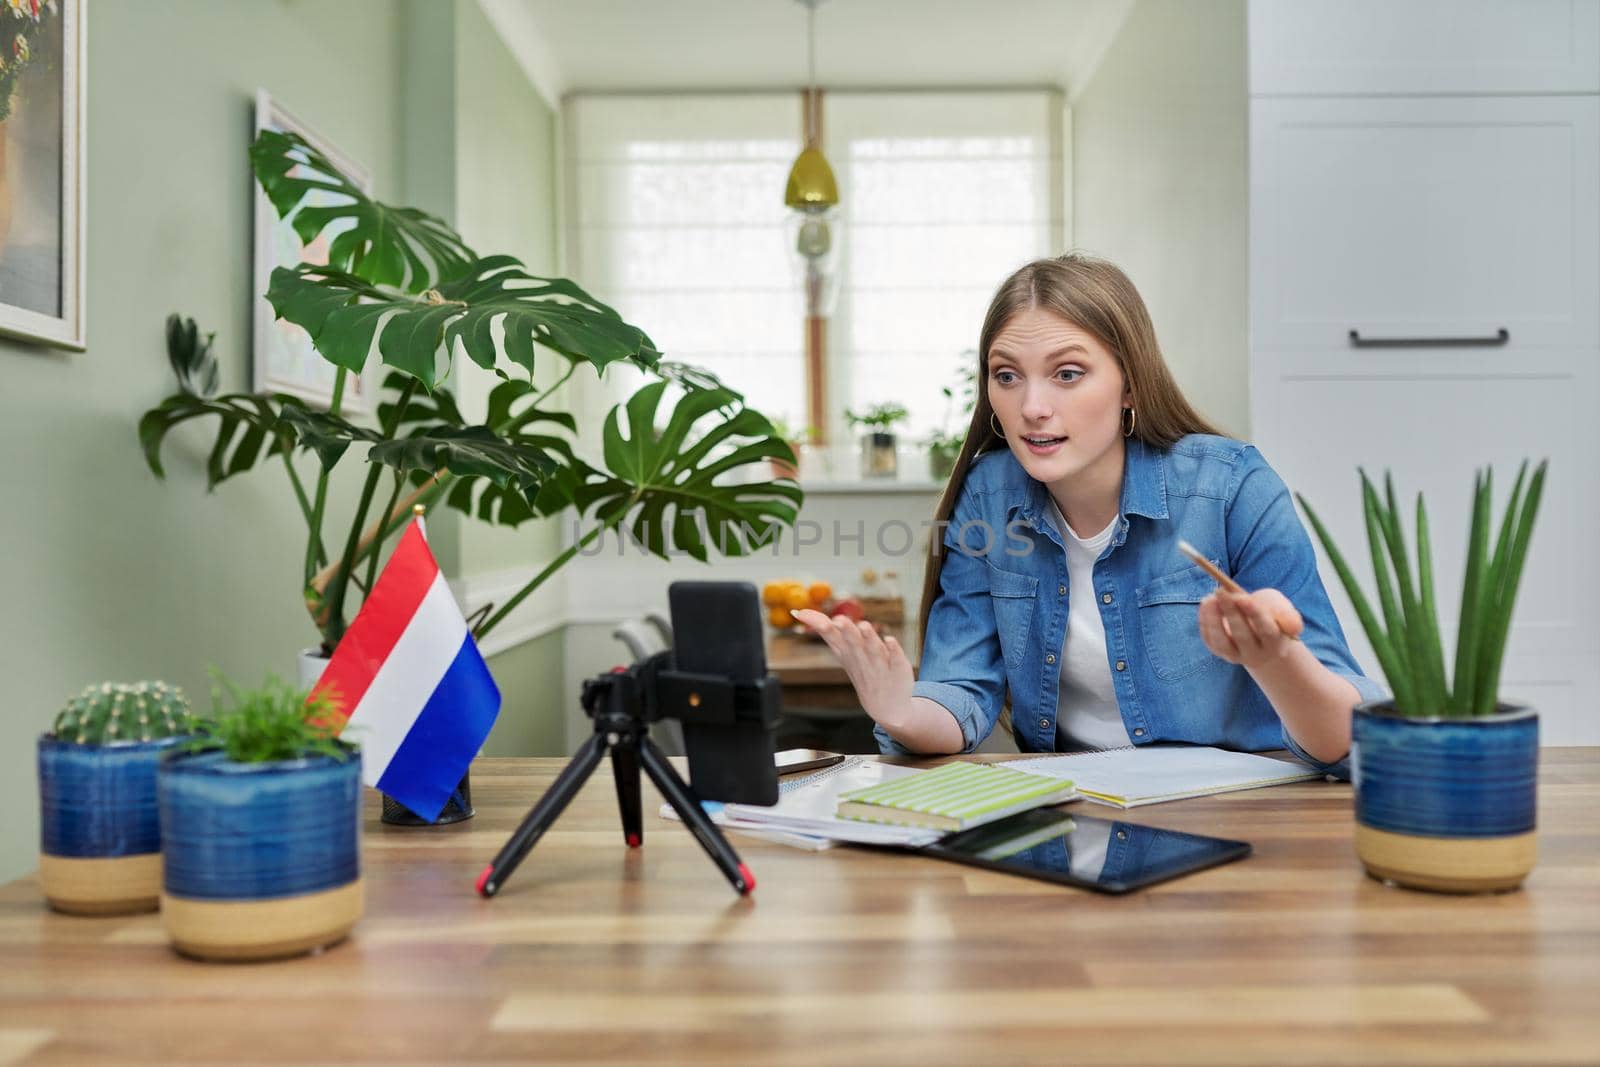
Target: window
<point>680,227</point>
<point>944,194</point>
<point>679,224</point>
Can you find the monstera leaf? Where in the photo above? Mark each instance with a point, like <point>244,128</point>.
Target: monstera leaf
<point>470,452</point>
<point>437,408</point>
<point>517,421</point>
<point>688,376</point>
<point>401,247</point>
<point>264,431</point>
<point>508,413</point>
<point>669,484</point>
<point>514,413</point>
<point>329,436</point>
<point>193,363</point>
<point>343,313</point>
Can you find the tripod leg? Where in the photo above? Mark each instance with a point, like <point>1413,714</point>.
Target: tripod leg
<point>694,817</point>
<point>545,812</point>
<point>625,768</point>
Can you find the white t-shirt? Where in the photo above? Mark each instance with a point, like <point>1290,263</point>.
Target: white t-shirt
<point>1087,715</point>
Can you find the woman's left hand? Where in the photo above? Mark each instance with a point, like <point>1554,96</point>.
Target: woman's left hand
<point>1250,629</point>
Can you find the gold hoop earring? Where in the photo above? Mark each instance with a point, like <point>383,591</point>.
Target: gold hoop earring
<point>1133,420</point>
<point>995,426</point>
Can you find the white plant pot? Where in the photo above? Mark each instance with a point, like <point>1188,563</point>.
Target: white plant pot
<point>310,667</point>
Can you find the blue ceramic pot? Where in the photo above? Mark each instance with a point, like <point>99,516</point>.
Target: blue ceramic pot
<point>261,859</point>
<point>1446,804</point>
<point>99,836</point>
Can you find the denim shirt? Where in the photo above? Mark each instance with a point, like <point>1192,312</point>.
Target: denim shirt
<point>999,621</point>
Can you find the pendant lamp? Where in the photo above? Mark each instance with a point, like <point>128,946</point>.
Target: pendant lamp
<point>811,193</point>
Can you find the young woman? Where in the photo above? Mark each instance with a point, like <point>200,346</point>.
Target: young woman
<point>1054,579</point>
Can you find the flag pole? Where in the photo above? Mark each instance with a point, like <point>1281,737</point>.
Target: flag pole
<point>420,510</point>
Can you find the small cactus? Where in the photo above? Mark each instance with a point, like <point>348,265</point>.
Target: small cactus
<point>144,711</point>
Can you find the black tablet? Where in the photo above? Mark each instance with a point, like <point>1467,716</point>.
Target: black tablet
<point>1080,850</point>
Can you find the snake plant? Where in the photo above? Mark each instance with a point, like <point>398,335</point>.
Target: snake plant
<point>1406,639</point>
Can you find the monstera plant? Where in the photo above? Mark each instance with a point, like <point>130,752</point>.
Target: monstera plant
<point>403,284</point>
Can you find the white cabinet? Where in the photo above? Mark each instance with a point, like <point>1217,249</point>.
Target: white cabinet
<point>1424,46</point>
<point>1425,298</point>
<point>1433,431</point>
<point>1426,218</point>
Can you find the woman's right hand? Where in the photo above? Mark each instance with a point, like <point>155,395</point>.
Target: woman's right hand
<point>877,666</point>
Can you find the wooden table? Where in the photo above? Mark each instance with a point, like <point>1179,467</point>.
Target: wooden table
<point>595,954</point>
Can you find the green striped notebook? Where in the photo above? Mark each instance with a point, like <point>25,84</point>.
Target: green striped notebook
<point>954,797</point>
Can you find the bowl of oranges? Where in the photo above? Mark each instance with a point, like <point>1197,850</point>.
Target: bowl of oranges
<point>786,595</point>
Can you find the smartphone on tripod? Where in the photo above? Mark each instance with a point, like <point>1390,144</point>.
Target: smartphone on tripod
<point>715,682</point>
<point>717,629</point>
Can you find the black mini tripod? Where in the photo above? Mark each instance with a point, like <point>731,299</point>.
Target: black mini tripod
<point>622,705</point>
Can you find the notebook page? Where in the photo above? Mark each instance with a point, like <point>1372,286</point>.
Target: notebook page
<point>1130,776</point>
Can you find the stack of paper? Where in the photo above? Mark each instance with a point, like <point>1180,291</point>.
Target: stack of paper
<point>806,810</point>
<point>1153,774</point>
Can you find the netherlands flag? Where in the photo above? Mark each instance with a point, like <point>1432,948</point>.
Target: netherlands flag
<point>410,684</point>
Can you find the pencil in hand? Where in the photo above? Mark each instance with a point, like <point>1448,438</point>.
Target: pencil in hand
<point>1210,568</point>
<point>1222,579</point>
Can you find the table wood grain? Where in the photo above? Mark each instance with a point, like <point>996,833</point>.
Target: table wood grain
<point>596,954</point>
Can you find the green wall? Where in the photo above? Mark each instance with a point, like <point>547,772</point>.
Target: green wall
<point>1161,187</point>
<point>505,181</point>
<point>108,573</point>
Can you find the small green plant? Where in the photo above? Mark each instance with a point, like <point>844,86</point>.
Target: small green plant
<point>273,722</point>
<point>109,712</point>
<point>793,435</point>
<point>1407,641</point>
<point>944,444</point>
<point>879,418</point>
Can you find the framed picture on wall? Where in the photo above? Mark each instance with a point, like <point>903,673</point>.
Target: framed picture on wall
<point>41,171</point>
<point>284,360</point>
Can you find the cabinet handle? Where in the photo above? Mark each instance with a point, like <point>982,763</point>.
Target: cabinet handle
<point>1501,336</point>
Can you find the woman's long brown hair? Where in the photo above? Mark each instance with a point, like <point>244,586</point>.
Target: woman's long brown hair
<point>1097,297</point>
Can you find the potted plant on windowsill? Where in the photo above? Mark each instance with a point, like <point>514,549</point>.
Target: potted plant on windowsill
<point>789,467</point>
<point>403,284</point>
<point>879,456</point>
<point>1445,773</point>
<point>260,829</point>
<point>99,838</point>
<point>944,444</point>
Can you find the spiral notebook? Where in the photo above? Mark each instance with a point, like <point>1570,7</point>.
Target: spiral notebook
<point>1154,774</point>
